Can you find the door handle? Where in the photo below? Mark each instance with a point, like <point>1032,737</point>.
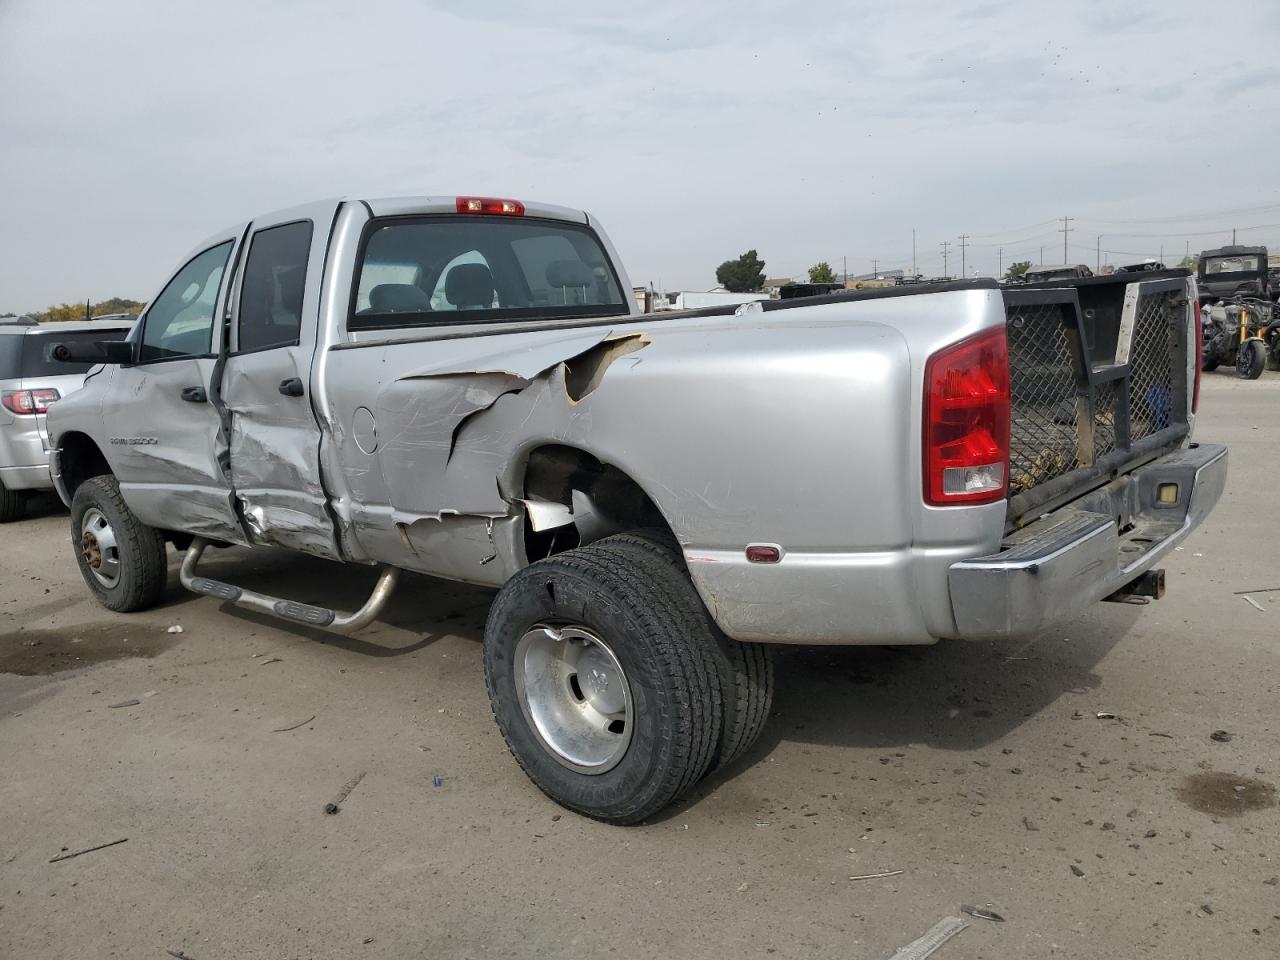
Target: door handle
<point>292,387</point>
<point>194,394</point>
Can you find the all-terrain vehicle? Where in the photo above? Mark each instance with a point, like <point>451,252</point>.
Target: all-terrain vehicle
<point>1241,330</point>
<point>1233,271</point>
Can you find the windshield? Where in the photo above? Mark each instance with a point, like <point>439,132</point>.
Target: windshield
<point>1249,263</point>
<point>436,270</point>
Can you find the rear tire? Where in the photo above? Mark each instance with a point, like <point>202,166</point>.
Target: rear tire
<point>1251,360</point>
<point>598,605</point>
<point>745,669</point>
<point>13,504</point>
<point>122,560</point>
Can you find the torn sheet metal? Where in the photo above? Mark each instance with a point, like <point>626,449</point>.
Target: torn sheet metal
<point>441,437</point>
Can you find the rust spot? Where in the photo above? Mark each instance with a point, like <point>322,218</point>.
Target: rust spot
<point>36,653</point>
<point>1225,794</point>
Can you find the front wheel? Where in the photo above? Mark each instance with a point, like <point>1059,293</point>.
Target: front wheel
<point>122,560</point>
<point>1251,360</point>
<point>605,688</point>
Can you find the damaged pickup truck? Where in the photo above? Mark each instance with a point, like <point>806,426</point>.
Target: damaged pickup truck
<point>462,387</point>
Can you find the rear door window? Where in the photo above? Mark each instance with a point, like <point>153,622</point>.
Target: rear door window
<point>465,269</point>
<point>271,293</point>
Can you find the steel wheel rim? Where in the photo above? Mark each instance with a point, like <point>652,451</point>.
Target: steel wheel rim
<point>99,548</point>
<point>575,696</point>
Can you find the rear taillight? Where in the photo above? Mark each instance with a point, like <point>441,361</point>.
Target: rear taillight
<point>510,208</point>
<point>27,402</point>
<point>966,421</point>
<point>1195,392</point>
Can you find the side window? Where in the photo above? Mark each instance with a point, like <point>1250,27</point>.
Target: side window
<point>466,283</point>
<point>180,322</point>
<point>275,275</point>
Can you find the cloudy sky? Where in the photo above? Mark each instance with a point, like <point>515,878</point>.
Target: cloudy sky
<point>809,131</point>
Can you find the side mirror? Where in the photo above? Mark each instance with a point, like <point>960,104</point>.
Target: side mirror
<point>103,351</point>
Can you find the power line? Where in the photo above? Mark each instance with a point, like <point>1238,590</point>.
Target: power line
<point>1064,231</point>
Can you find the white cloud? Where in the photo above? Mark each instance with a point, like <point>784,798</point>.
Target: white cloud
<point>808,131</point>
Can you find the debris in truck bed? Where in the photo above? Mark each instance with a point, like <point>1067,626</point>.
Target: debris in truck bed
<point>1221,736</point>
<point>937,935</point>
<point>180,955</point>
<point>336,804</point>
<point>80,853</point>
<point>1241,593</point>
<point>123,703</point>
<point>1255,604</point>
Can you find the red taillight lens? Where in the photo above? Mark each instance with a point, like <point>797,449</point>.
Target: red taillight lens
<point>510,208</point>
<point>28,402</point>
<point>966,421</point>
<point>1199,327</point>
<point>41,399</point>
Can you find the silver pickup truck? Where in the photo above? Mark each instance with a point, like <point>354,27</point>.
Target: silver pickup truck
<point>462,387</point>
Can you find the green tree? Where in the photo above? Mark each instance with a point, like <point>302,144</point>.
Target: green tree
<point>76,311</point>
<point>744,275</point>
<point>1017,270</point>
<point>1191,263</point>
<point>822,273</point>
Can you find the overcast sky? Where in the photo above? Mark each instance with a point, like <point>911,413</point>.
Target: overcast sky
<point>810,131</point>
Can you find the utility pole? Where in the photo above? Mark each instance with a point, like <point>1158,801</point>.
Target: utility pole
<point>875,269</point>
<point>1233,236</point>
<point>846,269</point>
<point>1064,230</point>
<point>1098,267</point>
<point>914,274</point>
<point>1161,257</point>
<point>1000,271</point>
<point>964,267</point>
<point>945,244</point>
<point>1042,253</point>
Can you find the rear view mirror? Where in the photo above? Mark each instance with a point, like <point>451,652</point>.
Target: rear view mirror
<point>102,351</point>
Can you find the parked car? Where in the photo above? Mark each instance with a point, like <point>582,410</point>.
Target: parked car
<point>1234,271</point>
<point>1142,267</point>
<point>465,387</point>
<point>30,381</point>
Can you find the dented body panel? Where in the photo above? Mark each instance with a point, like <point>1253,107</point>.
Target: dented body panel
<point>467,450</point>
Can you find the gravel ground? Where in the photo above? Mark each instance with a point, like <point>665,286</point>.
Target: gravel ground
<point>1071,784</point>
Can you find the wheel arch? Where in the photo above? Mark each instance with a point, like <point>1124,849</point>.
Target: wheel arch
<point>553,472</point>
<point>79,458</point>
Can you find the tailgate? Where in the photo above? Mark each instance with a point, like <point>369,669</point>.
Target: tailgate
<point>1101,373</point>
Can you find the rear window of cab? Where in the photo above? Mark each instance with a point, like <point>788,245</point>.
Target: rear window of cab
<point>430,271</point>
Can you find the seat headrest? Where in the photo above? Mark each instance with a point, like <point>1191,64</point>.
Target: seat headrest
<point>469,285</point>
<point>569,273</point>
<point>398,298</point>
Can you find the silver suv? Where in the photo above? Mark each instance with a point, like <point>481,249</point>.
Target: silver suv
<point>30,380</point>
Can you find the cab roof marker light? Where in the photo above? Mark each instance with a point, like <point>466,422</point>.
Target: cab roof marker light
<point>490,205</point>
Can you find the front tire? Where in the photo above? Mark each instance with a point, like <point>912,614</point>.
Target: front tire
<point>12,504</point>
<point>1251,360</point>
<point>122,560</point>
<point>604,687</point>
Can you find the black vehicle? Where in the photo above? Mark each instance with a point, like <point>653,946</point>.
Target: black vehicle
<point>1233,271</point>
<point>1273,275</point>
<point>791,291</point>
<point>1242,331</point>
<point>1142,267</point>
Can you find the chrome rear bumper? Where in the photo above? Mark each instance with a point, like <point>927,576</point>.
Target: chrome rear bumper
<point>1052,568</point>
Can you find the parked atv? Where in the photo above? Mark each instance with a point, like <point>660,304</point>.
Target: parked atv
<point>1244,331</point>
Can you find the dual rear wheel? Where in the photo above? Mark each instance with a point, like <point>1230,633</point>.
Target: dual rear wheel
<point>612,686</point>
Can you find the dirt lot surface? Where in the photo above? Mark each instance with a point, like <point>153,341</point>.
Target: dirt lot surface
<point>1072,784</point>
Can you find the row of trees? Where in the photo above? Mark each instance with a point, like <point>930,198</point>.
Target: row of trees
<point>746,273</point>
<point>79,311</point>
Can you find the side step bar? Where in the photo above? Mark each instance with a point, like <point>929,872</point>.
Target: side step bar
<point>305,613</point>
